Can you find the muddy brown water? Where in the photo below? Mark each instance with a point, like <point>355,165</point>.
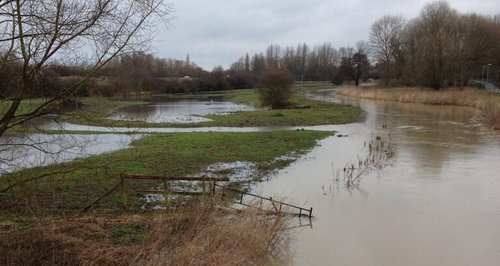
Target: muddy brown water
<point>437,203</point>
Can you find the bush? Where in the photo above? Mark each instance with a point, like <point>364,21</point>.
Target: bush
<point>276,89</point>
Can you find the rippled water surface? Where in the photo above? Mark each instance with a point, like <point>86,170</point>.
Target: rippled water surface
<point>437,203</point>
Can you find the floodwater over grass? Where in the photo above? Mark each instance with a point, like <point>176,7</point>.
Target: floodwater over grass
<point>178,110</point>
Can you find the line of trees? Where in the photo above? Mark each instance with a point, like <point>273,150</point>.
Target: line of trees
<point>322,62</point>
<point>36,34</point>
<point>439,48</point>
<point>128,75</point>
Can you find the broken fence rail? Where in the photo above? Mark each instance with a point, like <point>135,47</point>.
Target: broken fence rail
<point>213,180</point>
<point>122,186</point>
<point>302,211</point>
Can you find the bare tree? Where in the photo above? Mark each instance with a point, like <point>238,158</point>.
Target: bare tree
<point>35,34</point>
<point>385,42</point>
<point>354,64</point>
<point>430,37</point>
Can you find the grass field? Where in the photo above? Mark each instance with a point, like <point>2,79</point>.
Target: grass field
<point>70,186</point>
<point>40,225</point>
<point>319,113</point>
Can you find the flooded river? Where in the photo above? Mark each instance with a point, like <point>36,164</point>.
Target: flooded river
<point>437,203</point>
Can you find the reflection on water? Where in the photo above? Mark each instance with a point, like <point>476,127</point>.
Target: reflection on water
<point>178,111</point>
<point>438,203</point>
<point>32,150</point>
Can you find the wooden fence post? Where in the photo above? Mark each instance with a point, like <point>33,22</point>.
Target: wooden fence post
<point>123,191</point>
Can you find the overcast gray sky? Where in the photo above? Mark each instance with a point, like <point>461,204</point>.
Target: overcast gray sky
<point>218,32</point>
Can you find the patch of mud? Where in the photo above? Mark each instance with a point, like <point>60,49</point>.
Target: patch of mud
<point>236,171</point>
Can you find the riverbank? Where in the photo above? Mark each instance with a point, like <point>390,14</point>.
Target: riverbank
<point>73,185</point>
<point>487,102</point>
<point>39,208</point>
<point>200,235</point>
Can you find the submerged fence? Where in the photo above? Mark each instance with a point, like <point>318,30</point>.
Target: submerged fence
<point>213,182</point>
<point>276,205</point>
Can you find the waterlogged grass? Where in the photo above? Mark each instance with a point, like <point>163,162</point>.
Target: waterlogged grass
<point>96,109</point>
<point>75,184</point>
<point>25,107</point>
<point>318,114</point>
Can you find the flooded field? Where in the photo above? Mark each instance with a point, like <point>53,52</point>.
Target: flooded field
<point>178,111</point>
<point>33,150</point>
<point>436,203</point>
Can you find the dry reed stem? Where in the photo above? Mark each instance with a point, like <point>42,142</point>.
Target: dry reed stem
<point>378,152</point>
<point>487,102</point>
<point>202,235</point>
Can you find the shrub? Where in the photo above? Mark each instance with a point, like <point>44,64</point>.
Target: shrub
<point>276,89</point>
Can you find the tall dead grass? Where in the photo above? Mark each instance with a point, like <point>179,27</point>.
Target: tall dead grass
<point>487,102</point>
<point>491,112</point>
<point>202,235</point>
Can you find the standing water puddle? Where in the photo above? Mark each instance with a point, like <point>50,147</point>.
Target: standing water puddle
<point>178,111</point>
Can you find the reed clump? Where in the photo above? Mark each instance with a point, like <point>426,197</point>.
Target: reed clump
<point>491,112</point>
<point>487,102</point>
<point>376,154</point>
<point>201,235</point>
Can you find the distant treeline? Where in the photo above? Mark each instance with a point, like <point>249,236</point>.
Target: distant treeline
<point>129,75</point>
<point>439,48</point>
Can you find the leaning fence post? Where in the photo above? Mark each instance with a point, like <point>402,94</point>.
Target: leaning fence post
<point>310,212</point>
<point>203,188</point>
<point>166,190</point>
<point>123,192</point>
